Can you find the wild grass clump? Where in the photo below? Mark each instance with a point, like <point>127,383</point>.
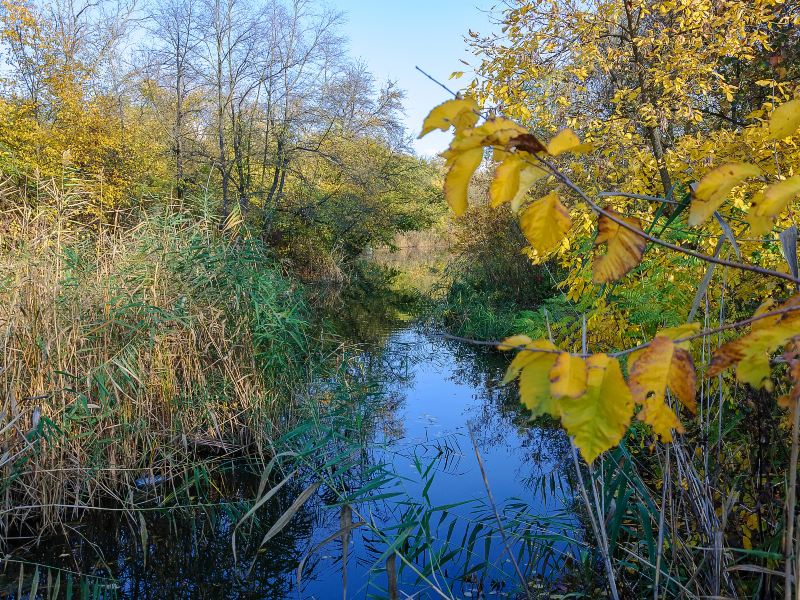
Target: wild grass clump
<point>132,352</point>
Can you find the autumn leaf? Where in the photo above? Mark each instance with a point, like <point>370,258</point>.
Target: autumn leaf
<point>526,142</point>
<point>506,180</point>
<point>673,333</point>
<point>767,306</point>
<point>785,120</point>
<point>598,419</point>
<point>534,385</point>
<point>624,248</point>
<point>492,132</point>
<point>566,141</point>
<point>568,376</point>
<point>545,223</point>
<point>524,357</point>
<point>514,342</point>
<point>459,113</point>
<point>683,379</point>
<point>751,352</point>
<point>660,367</point>
<point>529,175</point>
<point>456,183</point>
<point>715,186</point>
<point>770,202</point>
<point>533,370</point>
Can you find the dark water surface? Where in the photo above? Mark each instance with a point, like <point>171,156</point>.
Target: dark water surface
<point>426,394</point>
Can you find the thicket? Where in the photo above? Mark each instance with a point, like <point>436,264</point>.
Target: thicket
<point>136,352</point>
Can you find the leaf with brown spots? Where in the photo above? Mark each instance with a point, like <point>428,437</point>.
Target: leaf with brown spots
<point>662,365</point>
<point>568,376</point>
<point>624,248</point>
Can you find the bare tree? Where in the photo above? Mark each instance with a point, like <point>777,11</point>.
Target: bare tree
<point>175,29</point>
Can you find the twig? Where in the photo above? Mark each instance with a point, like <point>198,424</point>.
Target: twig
<point>437,82</point>
<point>635,197</point>
<point>658,241</point>
<point>791,501</point>
<point>661,526</point>
<point>618,353</point>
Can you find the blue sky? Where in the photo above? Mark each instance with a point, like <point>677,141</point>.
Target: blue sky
<point>394,36</point>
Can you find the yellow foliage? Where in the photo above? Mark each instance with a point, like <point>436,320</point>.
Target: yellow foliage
<point>568,376</point>
<point>785,120</point>
<point>751,353</point>
<point>662,365</point>
<point>525,357</point>
<point>458,113</point>
<point>770,202</point>
<point>566,141</point>
<point>715,186</point>
<point>506,182</point>
<point>545,223</point>
<point>528,176</point>
<point>456,183</point>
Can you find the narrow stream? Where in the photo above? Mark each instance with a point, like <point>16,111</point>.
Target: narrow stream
<point>418,464</point>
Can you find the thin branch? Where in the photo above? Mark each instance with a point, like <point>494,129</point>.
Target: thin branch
<point>635,196</point>
<point>437,82</point>
<point>658,241</point>
<point>617,354</point>
<point>499,520</point>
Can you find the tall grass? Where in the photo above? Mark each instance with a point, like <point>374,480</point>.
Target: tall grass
<point>131,348</point>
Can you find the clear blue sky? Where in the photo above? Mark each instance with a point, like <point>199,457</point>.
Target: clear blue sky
<point>394,36</point>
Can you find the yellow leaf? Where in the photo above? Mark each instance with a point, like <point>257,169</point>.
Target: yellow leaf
<point>751,353</point>
<point>767,306</point>
<point>456,183</point>
<point>568,376</point>
<point>524,357</point>
<point>566,141</point>
<point>497,131</point>
<point>459,113</point>
<point>529,175</point>
<point>715,186</point>
<point>760,225</point>
<point>545,223</point>
<point>770,202</point>
<point>661,418</point>
<point>649,378</point>
<point>598,419</point>
<point>506,180</point>
<point>683,379</point>
<point>784,120</point>
<point>624,248</point>
<point>534,385</point>
<point>514,342</point>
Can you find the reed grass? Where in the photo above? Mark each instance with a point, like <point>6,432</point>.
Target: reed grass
<point>132,347</point>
